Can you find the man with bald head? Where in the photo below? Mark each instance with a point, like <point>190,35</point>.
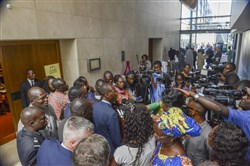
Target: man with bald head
<point>38,97</point>
<point>79,107</point>
<point>29,139</point>
<point>98,85</point>
<point>105,118</point>
<point>82,107</point>
<point>197,148</point>
<point>73,93</point>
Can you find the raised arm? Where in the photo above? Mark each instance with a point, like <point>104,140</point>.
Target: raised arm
<point>207,103</point>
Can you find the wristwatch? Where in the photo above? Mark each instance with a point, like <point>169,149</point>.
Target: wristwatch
<point>196,96</point>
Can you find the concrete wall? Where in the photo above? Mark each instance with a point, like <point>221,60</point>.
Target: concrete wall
<point>244,67</point>
<point>237,8</point>
<point>93,29</point>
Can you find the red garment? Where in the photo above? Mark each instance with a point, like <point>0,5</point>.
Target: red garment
<point>122,94</point>
<point>58,101</point>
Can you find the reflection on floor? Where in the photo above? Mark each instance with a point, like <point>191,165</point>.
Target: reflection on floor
<point>7,131</point>
<point>8,154</point>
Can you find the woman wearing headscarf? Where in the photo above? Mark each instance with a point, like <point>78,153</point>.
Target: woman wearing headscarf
<point>171,126</point>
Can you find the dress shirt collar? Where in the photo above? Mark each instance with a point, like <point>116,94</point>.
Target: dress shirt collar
<point>105,101</point>
<point>30,81</point>
<point>65,147</point>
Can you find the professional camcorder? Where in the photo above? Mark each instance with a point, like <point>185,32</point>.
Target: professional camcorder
<point>217,68</point>
<point>233,94</point>
<point>166,79</point>
<point>208,77</point>
<point>224,95</point>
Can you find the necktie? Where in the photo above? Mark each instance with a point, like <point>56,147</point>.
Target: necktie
<point>32,83</point>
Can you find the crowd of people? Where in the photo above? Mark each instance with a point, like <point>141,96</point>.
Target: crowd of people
<point>140,119</point>
<point>198,57</point>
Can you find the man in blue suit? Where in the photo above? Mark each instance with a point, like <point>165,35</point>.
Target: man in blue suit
<point>105,119</point>
<point>52,152</point>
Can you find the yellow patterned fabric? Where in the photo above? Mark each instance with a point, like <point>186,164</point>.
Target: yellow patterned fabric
<point>163,160</point>
<point>176,124</point>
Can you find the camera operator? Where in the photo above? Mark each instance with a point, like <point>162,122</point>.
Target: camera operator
<point>241,86</point>
<point>227,72</point>
<point>187,76</point>
<point>179,82</point>
<point>186,70</point>
<point>237,117</point>
<point>231,79</point>
<point>133,87</point>
<point>143,83</point>
<point>157,82</point>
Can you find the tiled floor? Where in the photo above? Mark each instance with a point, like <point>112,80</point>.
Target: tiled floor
<point>8,154</point>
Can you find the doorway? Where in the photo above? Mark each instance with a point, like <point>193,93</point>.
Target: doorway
<point>155,49</point>
<point>15,58</point>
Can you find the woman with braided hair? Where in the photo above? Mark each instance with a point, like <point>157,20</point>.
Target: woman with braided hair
<point>139,142</point>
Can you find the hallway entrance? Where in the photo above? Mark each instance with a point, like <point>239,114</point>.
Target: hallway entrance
<point>15,58</point>
<point>154,49</point>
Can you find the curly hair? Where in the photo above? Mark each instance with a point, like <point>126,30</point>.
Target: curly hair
<point>138,127</point>
<point>229,145</point>
<point>92,151</point>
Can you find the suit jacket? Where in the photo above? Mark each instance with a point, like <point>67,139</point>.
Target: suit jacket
<point>24,88</point>
<point>106,123</point>
<point>52,152</point>
<point>28,144</point>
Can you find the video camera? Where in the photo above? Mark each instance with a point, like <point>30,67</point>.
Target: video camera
<point>195,76</point>
<point>224,96</point>
<point>233,94</point>
<point>166,79</point>
<point>209,77</point>
<point>217,68</point>
<point>144,76</point>
<point>206,78</point>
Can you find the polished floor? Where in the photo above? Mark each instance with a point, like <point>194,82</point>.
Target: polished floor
<point>8,154</point>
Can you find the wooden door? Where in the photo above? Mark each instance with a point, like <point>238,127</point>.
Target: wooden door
<point>16,57</point>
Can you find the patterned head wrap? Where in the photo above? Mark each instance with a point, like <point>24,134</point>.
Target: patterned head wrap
<point>176,124</point>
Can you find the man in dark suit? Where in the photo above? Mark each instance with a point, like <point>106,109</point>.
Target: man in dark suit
<point>52,152</point>
<point>105,119</point>
<point>26,85</point>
